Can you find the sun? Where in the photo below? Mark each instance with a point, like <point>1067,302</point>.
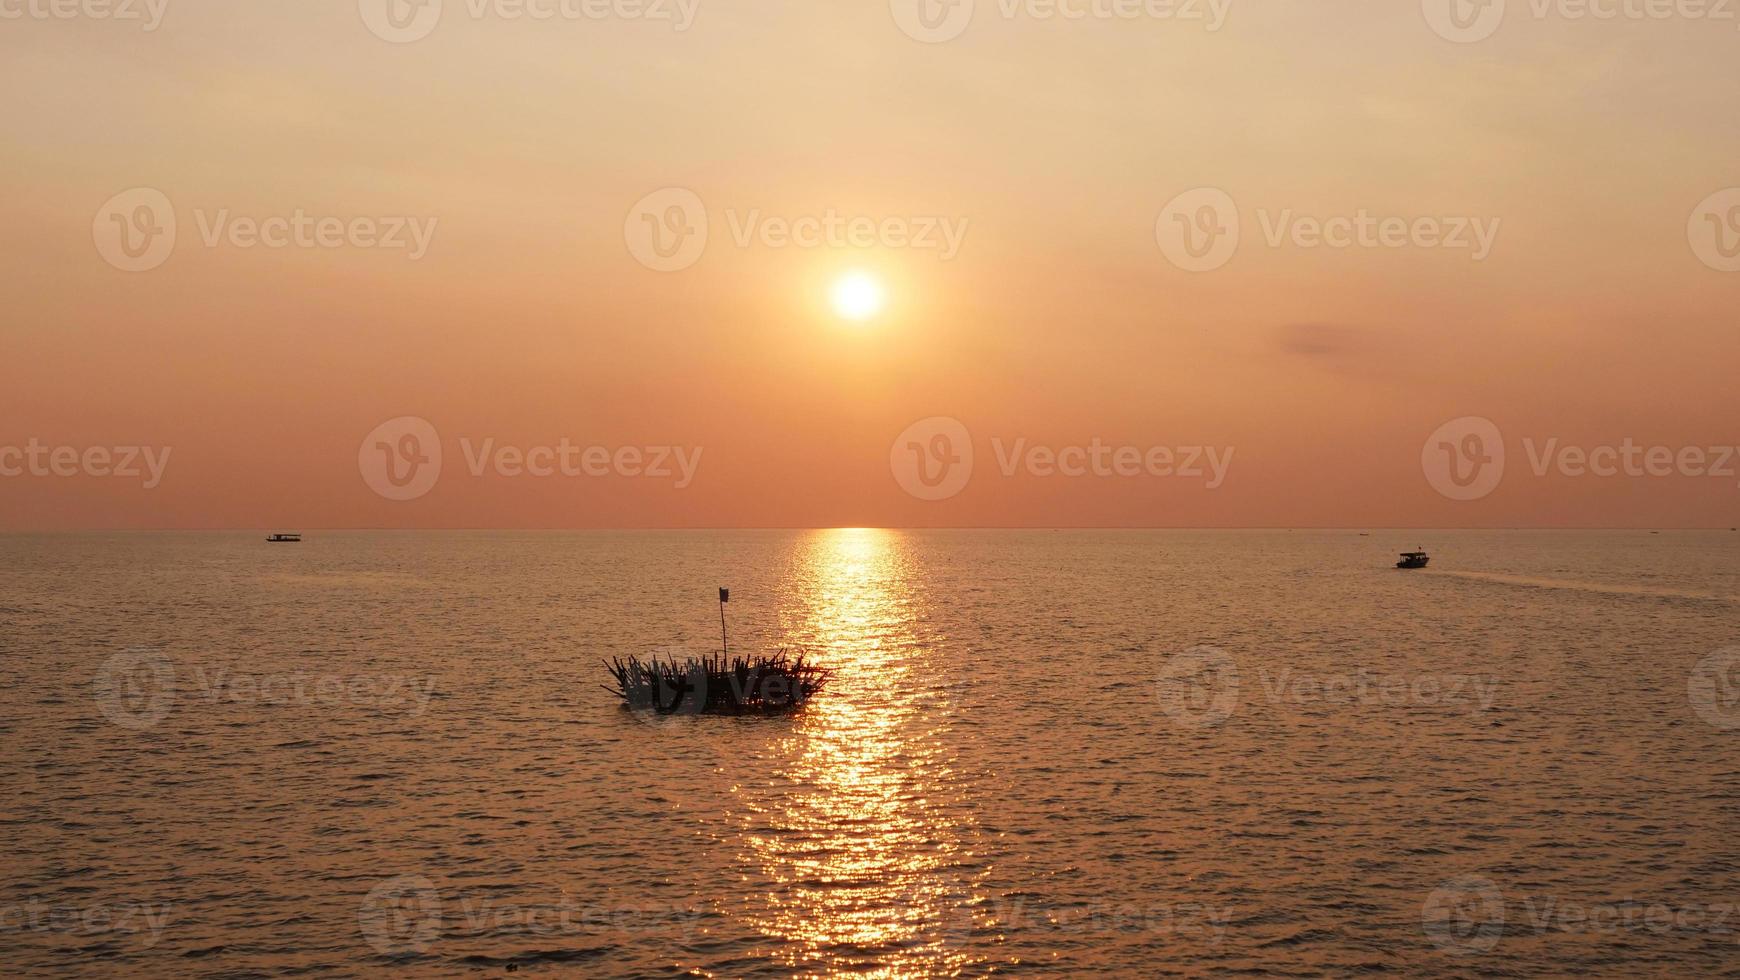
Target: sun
<point>857,296</point>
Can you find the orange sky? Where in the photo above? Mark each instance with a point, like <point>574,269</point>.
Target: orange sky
<point>1055,144</point>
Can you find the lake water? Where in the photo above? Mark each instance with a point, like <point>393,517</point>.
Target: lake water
<point>1043,753</point>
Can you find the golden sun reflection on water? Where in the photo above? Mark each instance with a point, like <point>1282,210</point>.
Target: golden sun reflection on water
<point>868,870</point>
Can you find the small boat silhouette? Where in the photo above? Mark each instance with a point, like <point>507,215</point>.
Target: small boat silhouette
<point>285,539</point>
<point>1413,559</point>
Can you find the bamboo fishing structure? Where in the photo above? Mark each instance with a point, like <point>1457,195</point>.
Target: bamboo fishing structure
<point>718,683</point>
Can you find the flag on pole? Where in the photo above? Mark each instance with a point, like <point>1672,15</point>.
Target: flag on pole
<point>724,595</point>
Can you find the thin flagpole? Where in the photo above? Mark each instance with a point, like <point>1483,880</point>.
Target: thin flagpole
<point>725,645</point>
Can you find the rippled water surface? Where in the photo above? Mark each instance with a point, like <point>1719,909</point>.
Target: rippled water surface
<point>1048,753</point>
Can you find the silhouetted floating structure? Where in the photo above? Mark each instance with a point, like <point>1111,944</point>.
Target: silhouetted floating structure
<point>1413,559</point>
<point>284,538</point>
<point>769,684</point>
<point>718,684</point>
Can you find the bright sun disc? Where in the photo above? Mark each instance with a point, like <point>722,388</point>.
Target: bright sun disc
<point>857,297</point>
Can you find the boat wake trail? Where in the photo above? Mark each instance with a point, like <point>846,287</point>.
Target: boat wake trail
<point>1532,582</point>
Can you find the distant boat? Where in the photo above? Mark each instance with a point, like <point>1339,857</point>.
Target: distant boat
<point>1413,559</point>
<point>285,539</point>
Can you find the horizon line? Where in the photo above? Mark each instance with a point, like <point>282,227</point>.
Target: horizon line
<point>875,527</point>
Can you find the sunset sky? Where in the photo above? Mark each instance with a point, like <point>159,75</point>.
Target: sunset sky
<point>1052,147</point>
